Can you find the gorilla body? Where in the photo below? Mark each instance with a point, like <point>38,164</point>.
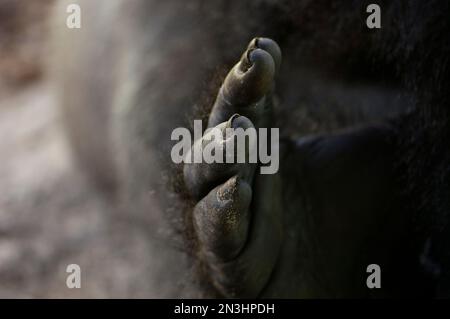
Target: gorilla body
<point>363,115</point>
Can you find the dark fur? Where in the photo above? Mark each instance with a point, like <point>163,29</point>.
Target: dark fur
<point>323,42</point>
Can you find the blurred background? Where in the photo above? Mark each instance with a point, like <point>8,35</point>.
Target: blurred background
<point>49,215</point>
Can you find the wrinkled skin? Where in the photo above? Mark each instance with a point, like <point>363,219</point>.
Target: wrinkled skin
<point>333,184</point>
<point>337,203</point>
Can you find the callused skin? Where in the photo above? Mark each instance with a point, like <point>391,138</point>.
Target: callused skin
<point>240,236</point>
<point>258,233</point>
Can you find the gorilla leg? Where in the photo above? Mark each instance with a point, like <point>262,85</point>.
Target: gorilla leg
<point>336,196</point>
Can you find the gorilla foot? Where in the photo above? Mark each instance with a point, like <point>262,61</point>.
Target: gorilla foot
<point>238,217</point>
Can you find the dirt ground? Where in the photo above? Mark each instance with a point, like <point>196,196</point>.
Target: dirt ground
<point>50,216</point>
